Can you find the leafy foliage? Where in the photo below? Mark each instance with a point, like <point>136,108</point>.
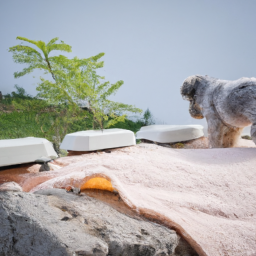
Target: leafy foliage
<point>75,81</point>
<point>25,116</point>
<point>35,59</point>
<point>148,118</point>
<point>22,116</point>
<point>247,137</point>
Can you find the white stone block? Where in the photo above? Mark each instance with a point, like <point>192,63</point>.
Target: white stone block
<point>98,139</point>
<point>170,133</point>
<point>24,150</point>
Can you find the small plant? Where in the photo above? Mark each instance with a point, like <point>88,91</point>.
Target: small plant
<point>148,118</point>
<point>178,145</point>
<point>246,137</point>
<point>63,153</point>
<point>138,141</point>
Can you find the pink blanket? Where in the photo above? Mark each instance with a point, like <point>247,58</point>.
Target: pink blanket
<point>207,195</point>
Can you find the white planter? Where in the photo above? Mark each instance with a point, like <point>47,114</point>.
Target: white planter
<point>24,150</point>
<point>96,139</point>
<point>170,133</point>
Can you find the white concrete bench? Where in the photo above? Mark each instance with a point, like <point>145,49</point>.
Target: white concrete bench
<point>25,150</point>
<point>98,139</point>
<point>170,133</point>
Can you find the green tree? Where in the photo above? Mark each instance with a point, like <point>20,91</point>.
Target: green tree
<point>35,59</point>
<point>75,81</point>
<point>148,118</point>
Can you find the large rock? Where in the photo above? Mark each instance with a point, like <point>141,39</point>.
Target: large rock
<point>53,222</point>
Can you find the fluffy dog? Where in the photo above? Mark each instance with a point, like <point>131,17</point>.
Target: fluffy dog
<point>228,107</point>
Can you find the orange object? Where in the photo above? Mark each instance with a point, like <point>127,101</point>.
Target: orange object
<point>98,183</point>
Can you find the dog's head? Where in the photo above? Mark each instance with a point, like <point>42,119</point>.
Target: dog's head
<point>189,92</point>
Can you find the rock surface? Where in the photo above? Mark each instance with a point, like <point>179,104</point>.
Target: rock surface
<point>208,195</point>
<point>203,143</point>
<point>10,186</point>
<point>53,222</point>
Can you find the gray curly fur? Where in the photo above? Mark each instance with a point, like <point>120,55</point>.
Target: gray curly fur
<point>228,107</point>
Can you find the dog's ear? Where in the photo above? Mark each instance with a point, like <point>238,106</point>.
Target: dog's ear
<point>188,89</point>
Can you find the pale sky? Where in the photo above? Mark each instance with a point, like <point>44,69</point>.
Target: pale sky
<point>153,46</point>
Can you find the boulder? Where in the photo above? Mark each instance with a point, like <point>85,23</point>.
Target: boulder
<point>53,222</point>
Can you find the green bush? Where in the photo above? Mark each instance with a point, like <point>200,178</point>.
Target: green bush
<point>22,116</point>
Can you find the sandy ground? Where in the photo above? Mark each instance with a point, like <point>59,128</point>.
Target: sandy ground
<point>207,195</point>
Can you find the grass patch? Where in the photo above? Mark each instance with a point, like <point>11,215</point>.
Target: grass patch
<point>32,117</point>
<point>246,137</point>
